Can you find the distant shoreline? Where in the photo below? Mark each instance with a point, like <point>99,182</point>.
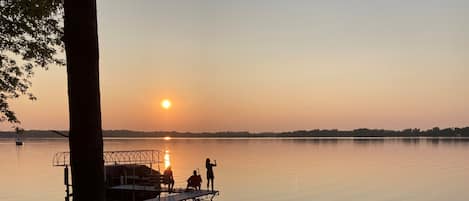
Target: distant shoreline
<point>363,132</point>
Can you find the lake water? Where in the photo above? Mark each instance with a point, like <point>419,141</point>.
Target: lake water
<point>271,169</point>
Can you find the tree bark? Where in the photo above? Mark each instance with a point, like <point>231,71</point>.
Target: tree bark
<point>85,139</point>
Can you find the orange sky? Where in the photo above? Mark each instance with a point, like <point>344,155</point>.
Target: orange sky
<point>271,66</point>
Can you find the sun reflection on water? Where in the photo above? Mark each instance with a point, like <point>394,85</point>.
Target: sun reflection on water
<point>167,162</point>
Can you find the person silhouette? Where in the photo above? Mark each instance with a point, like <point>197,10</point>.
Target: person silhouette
<point>168,178</point>
<point>210,176</point>
<point>194,181</point>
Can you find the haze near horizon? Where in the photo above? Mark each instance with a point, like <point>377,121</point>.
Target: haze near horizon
<point>271,66</point>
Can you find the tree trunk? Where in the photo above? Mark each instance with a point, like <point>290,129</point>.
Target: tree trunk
<point>85,139</point>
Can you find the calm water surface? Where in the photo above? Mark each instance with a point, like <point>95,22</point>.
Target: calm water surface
<point>271,169</point>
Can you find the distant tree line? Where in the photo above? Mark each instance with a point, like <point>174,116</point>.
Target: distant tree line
<point>365,132</point>
<point>361,132</point>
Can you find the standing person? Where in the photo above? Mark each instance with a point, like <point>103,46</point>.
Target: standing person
<point>169,179</point>
<point>210,175</point>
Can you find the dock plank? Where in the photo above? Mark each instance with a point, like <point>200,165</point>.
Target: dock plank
<point>185,195</point>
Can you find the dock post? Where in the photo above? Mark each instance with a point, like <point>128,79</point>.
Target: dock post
<point>67,186</point>
<point>151,163</point>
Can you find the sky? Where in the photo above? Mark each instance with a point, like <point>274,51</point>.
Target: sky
<point>258,65</point>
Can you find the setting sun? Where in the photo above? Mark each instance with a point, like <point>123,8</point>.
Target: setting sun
<point>166,104</point>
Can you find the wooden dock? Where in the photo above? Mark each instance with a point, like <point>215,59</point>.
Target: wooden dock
<point>189,195</point>
<point>178,194</point>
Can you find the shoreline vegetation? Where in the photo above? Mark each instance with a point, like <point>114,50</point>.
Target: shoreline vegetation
<point>362,132</point>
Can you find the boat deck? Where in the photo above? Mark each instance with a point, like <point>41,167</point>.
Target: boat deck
<point>130,187</point>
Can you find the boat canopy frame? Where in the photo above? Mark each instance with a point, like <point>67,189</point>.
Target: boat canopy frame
<point>132,157</point>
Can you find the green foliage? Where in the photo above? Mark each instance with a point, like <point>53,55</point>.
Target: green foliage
<point>30,36</point>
